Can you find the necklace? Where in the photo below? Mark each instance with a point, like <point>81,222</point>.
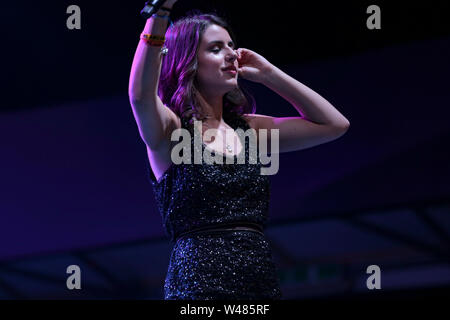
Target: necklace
<point>227,146</point>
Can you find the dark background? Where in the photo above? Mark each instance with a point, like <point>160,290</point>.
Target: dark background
<point>46,64</point>
<point>73,183</point>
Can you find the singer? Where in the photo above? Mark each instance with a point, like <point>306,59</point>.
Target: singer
<point>215,214</point>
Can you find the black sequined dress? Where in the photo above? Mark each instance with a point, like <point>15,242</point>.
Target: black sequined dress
<point>229,265</point>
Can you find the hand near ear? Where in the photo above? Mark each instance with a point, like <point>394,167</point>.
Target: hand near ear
<point>252,66</point>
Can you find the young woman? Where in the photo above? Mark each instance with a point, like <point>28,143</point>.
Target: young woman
<point>215,213</point>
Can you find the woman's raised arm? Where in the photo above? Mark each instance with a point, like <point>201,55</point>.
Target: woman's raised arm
<point>154,120</point>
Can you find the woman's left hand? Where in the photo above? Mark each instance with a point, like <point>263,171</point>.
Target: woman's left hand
<point>253,66</point>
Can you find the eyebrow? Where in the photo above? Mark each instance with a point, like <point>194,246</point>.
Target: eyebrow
<point>220,42</point>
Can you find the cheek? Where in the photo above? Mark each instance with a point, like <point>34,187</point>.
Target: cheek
<point>209,67</point>
<point>213,62</point>
<point>210,71</point>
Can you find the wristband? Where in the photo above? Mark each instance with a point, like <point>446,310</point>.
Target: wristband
<point>153,40</point>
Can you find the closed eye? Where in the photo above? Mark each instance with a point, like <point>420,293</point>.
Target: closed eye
<point>230,44</point>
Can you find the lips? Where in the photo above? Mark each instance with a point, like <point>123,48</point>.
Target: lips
<point>230,68</point>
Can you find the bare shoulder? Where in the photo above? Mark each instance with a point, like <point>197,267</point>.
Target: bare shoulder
<point>254,120</point>
<point>175,122</point>
<point>160,157</point>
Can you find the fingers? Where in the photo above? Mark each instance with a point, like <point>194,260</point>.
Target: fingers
<point>241,52</point>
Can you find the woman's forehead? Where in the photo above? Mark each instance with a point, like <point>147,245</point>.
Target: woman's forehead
<point>215,32</point>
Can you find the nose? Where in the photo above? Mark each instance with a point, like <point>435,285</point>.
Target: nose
<point>232,56</point>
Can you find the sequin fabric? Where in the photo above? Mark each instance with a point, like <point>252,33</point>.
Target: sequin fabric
<point>228,265</point>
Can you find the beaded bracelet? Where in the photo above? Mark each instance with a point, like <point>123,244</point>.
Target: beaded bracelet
<point>153,40</point>
<point>156,41</point>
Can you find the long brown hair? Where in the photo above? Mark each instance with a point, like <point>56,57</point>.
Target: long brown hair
<point>179,68</point>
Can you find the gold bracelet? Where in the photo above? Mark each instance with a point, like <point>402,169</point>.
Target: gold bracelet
<point>148,36</point>
<point>154,43</point>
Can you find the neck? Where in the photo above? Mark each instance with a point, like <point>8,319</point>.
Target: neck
<point>212,107</point>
